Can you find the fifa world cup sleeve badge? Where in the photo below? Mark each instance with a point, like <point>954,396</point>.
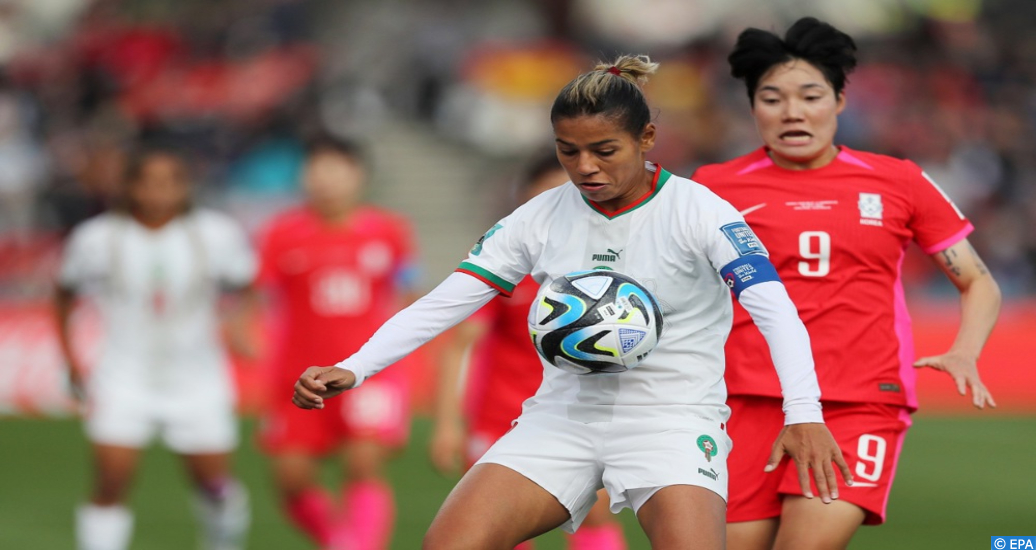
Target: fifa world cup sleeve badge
<point>707,446</point>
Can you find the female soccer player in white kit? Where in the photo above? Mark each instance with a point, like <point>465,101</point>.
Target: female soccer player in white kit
<point>654,436</point>
<point>155,268</point>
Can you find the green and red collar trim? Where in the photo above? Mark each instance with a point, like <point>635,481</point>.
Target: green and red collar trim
<point>661,177</point>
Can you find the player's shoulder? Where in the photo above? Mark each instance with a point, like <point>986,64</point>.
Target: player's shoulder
<point>380,216</point>
<point>96,227</point>
<point>212,220</point>
<point>692,194</point>
<point>878,162</point>
<point>713,174</point>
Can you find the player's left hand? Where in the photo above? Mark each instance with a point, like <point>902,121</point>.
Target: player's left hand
<point>812,447</point>
<point>964,371</point>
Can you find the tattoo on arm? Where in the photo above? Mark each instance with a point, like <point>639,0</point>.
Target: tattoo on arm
<point>948,257</point>
<point>978,261</point>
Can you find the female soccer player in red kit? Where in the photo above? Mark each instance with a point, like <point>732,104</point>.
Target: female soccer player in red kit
<point>504,370</point>
<point>836,223</point>
<point>337,269</point>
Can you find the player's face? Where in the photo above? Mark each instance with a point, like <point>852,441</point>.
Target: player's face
<point>796,114</point>
<point>161,190</point>
<point>545,182</point>
<point>603,160</point>
<point>332,182</point>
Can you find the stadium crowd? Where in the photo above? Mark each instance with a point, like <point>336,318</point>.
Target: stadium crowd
<point>240,85</point>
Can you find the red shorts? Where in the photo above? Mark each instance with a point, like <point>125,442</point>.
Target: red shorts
<point>378,410</point>
<point>869,434</point>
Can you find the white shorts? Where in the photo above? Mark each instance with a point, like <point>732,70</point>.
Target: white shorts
<point>632,460</point>
<point>195,420</point>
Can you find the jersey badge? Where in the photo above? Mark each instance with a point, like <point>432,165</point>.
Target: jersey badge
<point>707,446</point>
<point>870,209</point>
<point>743,238</point>
<point>477,249</point>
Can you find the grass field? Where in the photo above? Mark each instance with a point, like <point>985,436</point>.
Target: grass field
<point>960,481</point>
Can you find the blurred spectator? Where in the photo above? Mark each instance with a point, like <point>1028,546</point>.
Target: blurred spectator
<point>241,82</point>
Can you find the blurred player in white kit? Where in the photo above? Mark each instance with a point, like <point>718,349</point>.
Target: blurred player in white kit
<point>155,267</point>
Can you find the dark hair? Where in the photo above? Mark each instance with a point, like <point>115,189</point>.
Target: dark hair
<point>327,143</point>
<point>139,157</point>
<point>611,89</point>
<point>828,49</point>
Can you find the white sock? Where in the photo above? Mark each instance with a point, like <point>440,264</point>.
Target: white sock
<point>103,527</point>
<point>225,521</point>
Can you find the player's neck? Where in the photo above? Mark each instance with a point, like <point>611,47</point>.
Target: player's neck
<point>154,221</point>
<point>334,215</point>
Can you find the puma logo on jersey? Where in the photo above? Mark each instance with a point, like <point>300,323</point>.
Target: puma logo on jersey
<point>613,256</point>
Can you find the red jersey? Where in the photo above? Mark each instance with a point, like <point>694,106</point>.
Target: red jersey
<point>837,235</point>
<point>505,368</point>
<point>334,285</point>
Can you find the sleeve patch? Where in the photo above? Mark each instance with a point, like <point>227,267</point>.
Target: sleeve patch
<point>748,271</point>
<point>743,238</point>
<point>477,249</point>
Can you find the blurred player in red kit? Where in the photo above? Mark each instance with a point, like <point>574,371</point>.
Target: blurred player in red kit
<point>503,372</point>
<point>837,223</point>
<point>336,269</point>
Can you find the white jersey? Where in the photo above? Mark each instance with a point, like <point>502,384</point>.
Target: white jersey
<point>673,241</point>
<point>157,291</point>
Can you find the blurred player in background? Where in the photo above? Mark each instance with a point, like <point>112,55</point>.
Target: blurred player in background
<point>836,223</point>
<point>654,436</point>
<point>336,268</point>
<point>503,371</point>
<point>155,267</point>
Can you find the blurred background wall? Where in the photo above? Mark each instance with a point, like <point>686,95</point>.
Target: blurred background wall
<point>452,95</point>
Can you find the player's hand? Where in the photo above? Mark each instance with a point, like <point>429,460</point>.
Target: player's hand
<point>964,371</point>
<point>319,383</point>
<point>444,449</point>
<point>812,447</point>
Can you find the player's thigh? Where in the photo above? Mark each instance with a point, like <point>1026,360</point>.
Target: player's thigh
<point>366,458</point>
<point>684,516</point>
<point>491,507</point>
<point>809,524</point>
<point>752,535</point>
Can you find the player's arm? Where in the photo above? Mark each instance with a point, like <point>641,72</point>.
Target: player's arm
<point>64,302</point>
<point>805,438</point>
<point>241,319</point>
<point>451,302</point>
<point>447,439</point>
<point>980,305</point>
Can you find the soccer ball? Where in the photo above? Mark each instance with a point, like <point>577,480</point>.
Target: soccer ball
<point>597,321</point>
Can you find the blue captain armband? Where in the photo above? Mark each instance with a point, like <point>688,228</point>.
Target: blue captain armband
<point>747,271</point>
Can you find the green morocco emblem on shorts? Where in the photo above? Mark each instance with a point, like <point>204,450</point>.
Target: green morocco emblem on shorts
<point>707,446</point>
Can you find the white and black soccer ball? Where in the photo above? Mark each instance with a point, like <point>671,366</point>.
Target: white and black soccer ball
<point>594,321</point>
